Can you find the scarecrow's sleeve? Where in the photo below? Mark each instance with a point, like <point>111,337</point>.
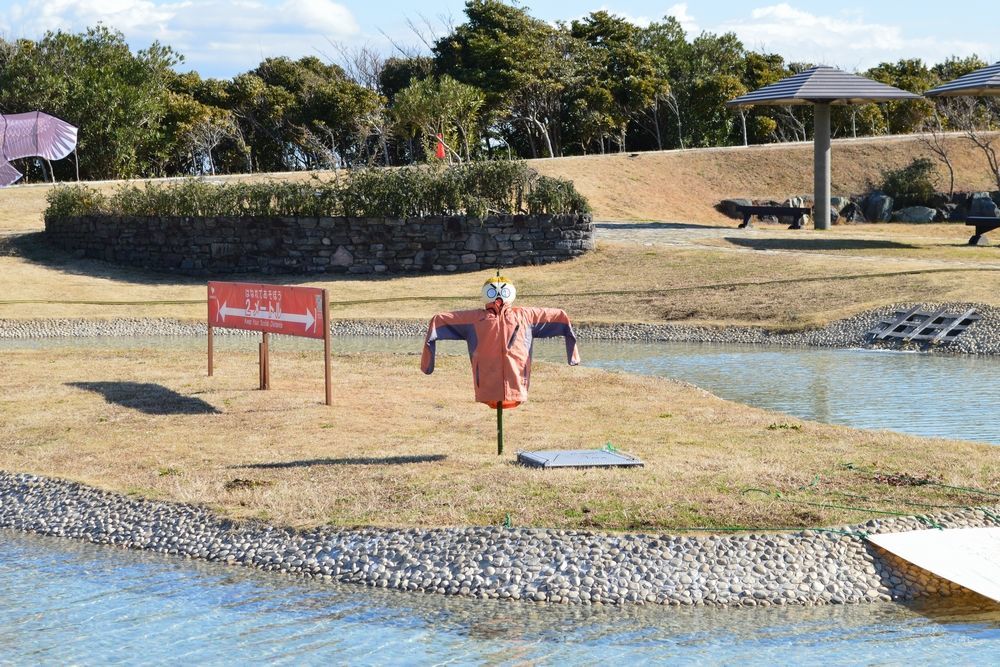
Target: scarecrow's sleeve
<point>448,326</point>
<point>553,322</point>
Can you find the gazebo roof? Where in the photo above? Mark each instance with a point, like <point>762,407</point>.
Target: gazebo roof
<point>984,81</point>
<point>823,85</point>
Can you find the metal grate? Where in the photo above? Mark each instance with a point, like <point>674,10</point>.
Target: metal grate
<point>577,458</point>
<point>937,327</point>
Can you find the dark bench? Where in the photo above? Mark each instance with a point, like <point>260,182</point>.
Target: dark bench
<point>794,212</point>
<point>982,225</point>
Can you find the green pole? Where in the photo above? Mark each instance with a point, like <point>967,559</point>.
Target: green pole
<point>499,429</point>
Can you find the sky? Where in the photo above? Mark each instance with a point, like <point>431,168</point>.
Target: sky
<point>224,37</point>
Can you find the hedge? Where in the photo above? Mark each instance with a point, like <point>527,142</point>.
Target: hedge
<point>475,189</point>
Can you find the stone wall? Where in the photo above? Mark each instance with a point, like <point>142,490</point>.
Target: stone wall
<point>222,245</point>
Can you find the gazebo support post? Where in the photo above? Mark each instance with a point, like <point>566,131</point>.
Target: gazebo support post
<point>821,166</point>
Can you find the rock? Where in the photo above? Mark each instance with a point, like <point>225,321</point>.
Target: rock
<point>729,207</point>
<point>877,207</point>
<point>852,214</point>
<point>982,205</point>
<point>914,214</point>
<point>838,203</point>
<point>342,257</point>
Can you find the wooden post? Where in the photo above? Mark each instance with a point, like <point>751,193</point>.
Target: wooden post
<point>499,429</point>
<point>211,349</point>
<point>267,360</point>
<point>264,364</point>
<point>326,347</point>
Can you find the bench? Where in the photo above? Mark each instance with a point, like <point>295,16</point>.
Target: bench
<point>793,212</point>
<point>982,225</point>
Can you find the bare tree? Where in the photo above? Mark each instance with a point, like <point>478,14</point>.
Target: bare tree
<point>674,107</point>
<point>208,133</point>
<point>978,120</point>
<point>933,138</point>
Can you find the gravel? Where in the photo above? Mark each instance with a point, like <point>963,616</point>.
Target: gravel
<point>982,337</point>
<point>564,566</point>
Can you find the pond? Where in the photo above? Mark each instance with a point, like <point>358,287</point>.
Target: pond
<point>73,603</point>
<point>949,396</point>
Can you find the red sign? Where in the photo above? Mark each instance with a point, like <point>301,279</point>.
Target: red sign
<point>292,311</point>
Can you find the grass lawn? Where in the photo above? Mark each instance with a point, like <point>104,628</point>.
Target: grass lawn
<point>402,449</point>
<point>618,282</point>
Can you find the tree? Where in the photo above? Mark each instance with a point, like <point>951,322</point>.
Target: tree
<point>442,107</point>
<point>912,74</point>
<point>208,133</point>
<point>619,66</point>
<point>979,122</point>
<point>933,138</point>
<point>116,98</point>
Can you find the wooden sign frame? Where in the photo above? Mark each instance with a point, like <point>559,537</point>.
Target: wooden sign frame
<point>262,310</point>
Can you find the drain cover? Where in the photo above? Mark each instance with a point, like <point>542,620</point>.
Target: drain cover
<point>928,327</point>
<point>578,458</point>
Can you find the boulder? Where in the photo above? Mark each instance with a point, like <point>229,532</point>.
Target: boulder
<point>914,214</point>
<point>729,207</point>
<point>837,204</point>
<point>878,207</point>
<point>852,214</point>
<point>982,205</point>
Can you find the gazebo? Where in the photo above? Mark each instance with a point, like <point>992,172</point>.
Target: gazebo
<point>980,83</point>
<point>822,86</point>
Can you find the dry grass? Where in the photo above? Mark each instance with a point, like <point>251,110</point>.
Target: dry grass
<point>403,449</point>
<point>618,282</point>
<point>686,185</point>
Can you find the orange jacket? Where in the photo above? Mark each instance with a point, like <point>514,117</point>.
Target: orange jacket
<point>500,340</point>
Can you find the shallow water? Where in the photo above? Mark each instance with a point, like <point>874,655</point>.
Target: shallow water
<point>67,602</point>
<point>951,396</point>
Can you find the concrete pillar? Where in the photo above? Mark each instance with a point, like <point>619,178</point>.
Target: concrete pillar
<point>821,166</point>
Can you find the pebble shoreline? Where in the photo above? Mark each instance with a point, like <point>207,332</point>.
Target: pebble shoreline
<point>560,566</point>
<point>982,337</point>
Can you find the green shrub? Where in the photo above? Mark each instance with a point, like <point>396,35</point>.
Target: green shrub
<point>67,201</point>
<point>913,185</point>
<point>555,195</point>
<point>476,189</point>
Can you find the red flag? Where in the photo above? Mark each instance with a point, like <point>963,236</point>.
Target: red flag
<point>439,151</point>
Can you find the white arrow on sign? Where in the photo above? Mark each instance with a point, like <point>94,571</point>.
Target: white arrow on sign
<point>307,319</point>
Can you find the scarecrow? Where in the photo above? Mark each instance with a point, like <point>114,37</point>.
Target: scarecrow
<point>500,339</point>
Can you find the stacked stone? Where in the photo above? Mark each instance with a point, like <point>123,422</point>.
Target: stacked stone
<point>356,246</point>
<point>564,566</point>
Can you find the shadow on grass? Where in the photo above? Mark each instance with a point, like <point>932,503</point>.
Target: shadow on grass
<point>151,399</point>
<point>359,461</point>
<point>818,244</point>
<point>655,226</point>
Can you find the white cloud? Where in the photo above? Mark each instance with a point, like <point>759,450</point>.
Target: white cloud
<point>680,12</point>
<point>847,39</point>
<point>215,36</point>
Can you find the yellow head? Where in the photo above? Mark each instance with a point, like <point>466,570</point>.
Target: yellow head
<point>499,289</point>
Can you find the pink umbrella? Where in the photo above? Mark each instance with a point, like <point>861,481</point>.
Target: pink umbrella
<point>32,134</point>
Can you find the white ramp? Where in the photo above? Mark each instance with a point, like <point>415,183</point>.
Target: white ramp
<point>967,556</point>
